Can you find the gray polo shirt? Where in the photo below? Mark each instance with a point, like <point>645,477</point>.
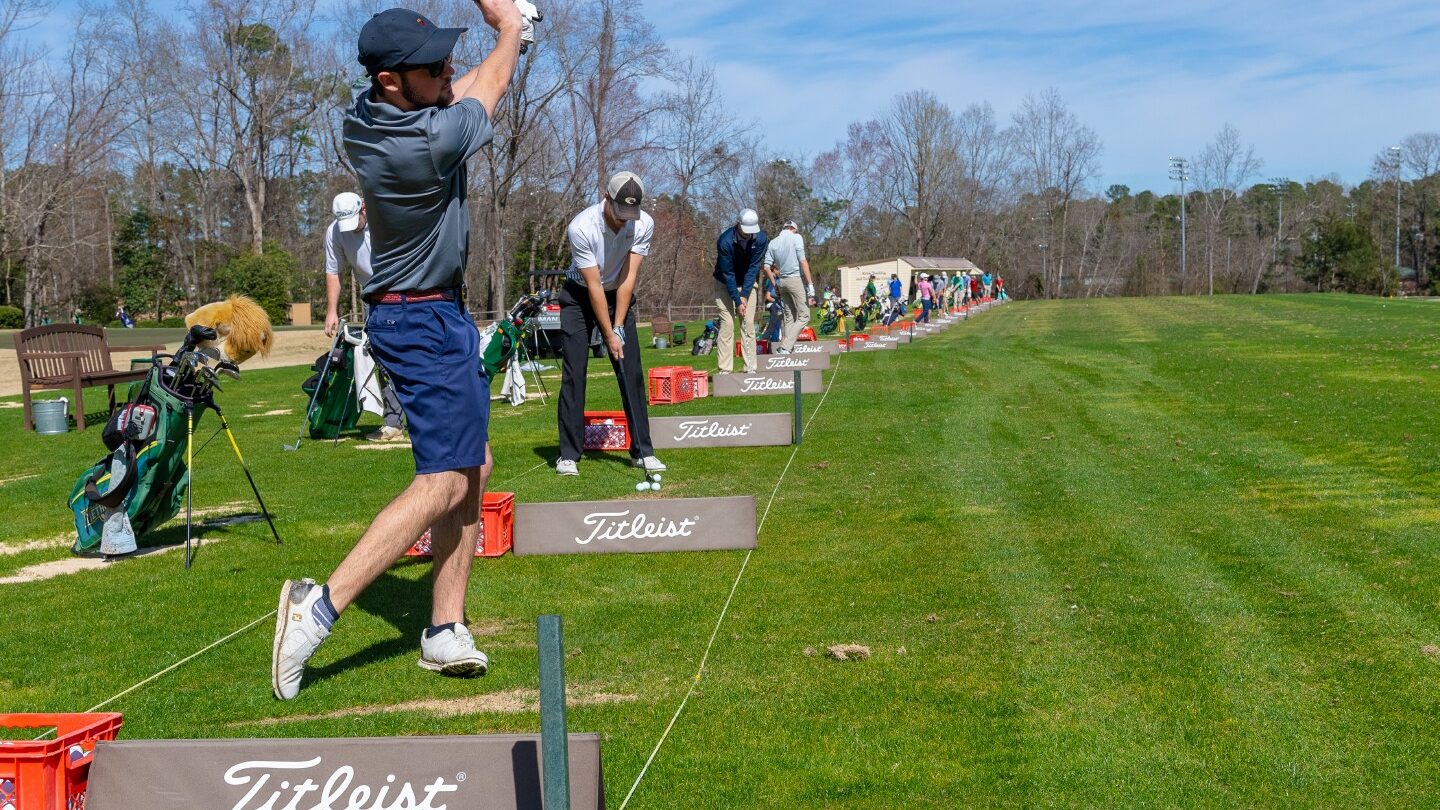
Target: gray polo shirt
<point>412,174</point>
<point>785,253</point>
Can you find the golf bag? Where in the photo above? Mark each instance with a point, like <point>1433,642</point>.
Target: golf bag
<point>500,341</point>
<point>141,483</point>
<point>705,343</point>
<point>335,407</point>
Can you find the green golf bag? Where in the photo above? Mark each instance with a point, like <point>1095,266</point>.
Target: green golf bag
<point>334,407</point>
<point>500,340</point>
<point>144,475</point>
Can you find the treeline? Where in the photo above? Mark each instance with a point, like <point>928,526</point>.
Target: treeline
<point>172,161</point>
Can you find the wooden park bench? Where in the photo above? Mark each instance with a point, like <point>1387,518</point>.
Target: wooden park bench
<point>71,356</point>
<point>661,326</point>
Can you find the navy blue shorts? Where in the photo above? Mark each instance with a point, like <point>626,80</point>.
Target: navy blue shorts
<point>431,350</point>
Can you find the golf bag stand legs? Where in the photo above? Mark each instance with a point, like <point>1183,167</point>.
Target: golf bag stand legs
<point>248,477</point>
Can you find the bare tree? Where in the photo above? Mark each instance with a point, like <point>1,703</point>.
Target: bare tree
<point>1058,156</point>
<point>1223,167</point>
<point>922,142</point>
<point>254,55</point>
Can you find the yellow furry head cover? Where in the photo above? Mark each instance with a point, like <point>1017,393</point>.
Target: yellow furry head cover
<point>242,327</point>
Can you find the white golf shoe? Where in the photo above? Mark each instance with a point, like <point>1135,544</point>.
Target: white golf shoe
<point>566,466</point>
<point>299,632</point>
<point>452,652</point>
<point>650,463</point>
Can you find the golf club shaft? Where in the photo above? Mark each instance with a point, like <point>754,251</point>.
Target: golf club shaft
<point>189,479</point>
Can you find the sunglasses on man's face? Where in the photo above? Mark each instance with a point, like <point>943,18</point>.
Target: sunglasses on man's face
<point>434,69</point>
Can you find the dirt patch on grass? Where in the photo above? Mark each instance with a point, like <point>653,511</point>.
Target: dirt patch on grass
<point>58,541</point>
<point>848,652</point>
<point>276,412</point>
<point>12,479</point>
<point>514,701</point>
<point>383,446</point>
<point>74,565</point>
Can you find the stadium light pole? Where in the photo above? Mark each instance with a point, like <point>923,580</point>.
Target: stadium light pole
<point>1180,171</point>
<point>1395,167</point>
<point>1278,185</point>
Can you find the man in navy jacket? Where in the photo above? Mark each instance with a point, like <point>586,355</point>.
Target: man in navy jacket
<point>738,255</point>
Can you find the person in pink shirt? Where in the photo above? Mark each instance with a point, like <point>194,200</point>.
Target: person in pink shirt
<point>927,297</point>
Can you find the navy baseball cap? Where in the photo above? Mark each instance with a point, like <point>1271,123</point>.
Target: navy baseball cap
<point>400,36</point>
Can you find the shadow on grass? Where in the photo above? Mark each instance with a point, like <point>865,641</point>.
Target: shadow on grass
<point>550,452</point>
<point>404,604</point>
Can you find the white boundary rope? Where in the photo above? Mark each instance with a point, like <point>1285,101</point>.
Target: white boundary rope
<point>705,657</point>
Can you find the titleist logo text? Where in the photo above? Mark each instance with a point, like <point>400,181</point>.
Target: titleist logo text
<point>709,429</point>
<point>335,794</point>
<point>621,526</point>
<point>765,384</point>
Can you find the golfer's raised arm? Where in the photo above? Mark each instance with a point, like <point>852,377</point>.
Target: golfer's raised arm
<point>488,82</point>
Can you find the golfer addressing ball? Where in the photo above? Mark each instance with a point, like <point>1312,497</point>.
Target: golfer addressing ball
<point>409,137</point>
<point>608,241</point>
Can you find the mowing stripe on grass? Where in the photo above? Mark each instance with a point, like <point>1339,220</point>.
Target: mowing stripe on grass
<point>704,657</point>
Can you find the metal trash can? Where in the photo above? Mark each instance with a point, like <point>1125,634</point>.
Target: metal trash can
<point>50,416</point>
<point>662,343</point>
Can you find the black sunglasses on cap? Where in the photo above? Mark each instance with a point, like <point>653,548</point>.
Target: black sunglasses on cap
<point>434,69</point>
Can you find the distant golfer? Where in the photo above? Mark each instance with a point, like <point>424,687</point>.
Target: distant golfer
<point>347,242</point>
<point>608,241</point>
<point>408,137</point>
<point>739,253</point>
<point>786,264</point>
<point>927,293</point>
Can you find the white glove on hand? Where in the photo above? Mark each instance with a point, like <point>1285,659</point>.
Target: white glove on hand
<point>810,291</point>
<point>529,15</point>
<point>619,335</point>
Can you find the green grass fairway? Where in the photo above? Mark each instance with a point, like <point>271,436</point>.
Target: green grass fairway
<point>1120,553</point>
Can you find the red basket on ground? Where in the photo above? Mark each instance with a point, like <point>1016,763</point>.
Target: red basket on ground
<point>671,384</point>
<point>497,528</point>
<point>606,430</point>
<point>858,337</point>
<point>52,774</point>
<point>878,328</point>
<point>806,333</point>
<point>761,347</point>
<point>701,381</point>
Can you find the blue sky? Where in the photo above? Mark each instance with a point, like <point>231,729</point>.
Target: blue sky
<point>1318,87</point>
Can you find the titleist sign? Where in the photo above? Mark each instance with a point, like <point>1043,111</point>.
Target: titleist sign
<point>876,344</point>
<point>815,347</point>
<point>791,362</point>
<point>635,526</point>
<point>740,430</point>
<point>499,771</point>
<point>778,382</point>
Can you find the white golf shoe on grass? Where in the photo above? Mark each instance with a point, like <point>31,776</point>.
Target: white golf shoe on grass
<point>452,652</point>
<point>299,632</point>
<point>650,463</point>
<point>566,466</point>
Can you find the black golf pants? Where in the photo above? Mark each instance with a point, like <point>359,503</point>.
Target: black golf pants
<point>577,319</point>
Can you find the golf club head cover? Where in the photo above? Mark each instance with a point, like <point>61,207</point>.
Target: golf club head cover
<point>529,15</point>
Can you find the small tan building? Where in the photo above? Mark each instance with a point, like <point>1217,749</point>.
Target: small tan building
<point>853,278</point>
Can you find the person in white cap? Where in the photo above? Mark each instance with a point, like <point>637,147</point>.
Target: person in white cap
<point>739,253</point>
<point>608,241</point>
<point>927,297</point>
<point>786,266</point>
<point>347,242</point>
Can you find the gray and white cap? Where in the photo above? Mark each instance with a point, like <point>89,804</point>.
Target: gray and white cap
<point>626,191</point>
<point>749,221</point>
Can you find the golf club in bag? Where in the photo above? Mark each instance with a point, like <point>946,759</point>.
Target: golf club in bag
<point>140,484</point>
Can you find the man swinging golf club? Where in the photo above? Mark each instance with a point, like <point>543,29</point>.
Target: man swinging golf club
<point>409,137</point>
<point>608,241</point>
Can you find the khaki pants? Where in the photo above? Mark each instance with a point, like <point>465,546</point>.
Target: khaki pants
<point>797,310</point>
<point>725,343</point>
